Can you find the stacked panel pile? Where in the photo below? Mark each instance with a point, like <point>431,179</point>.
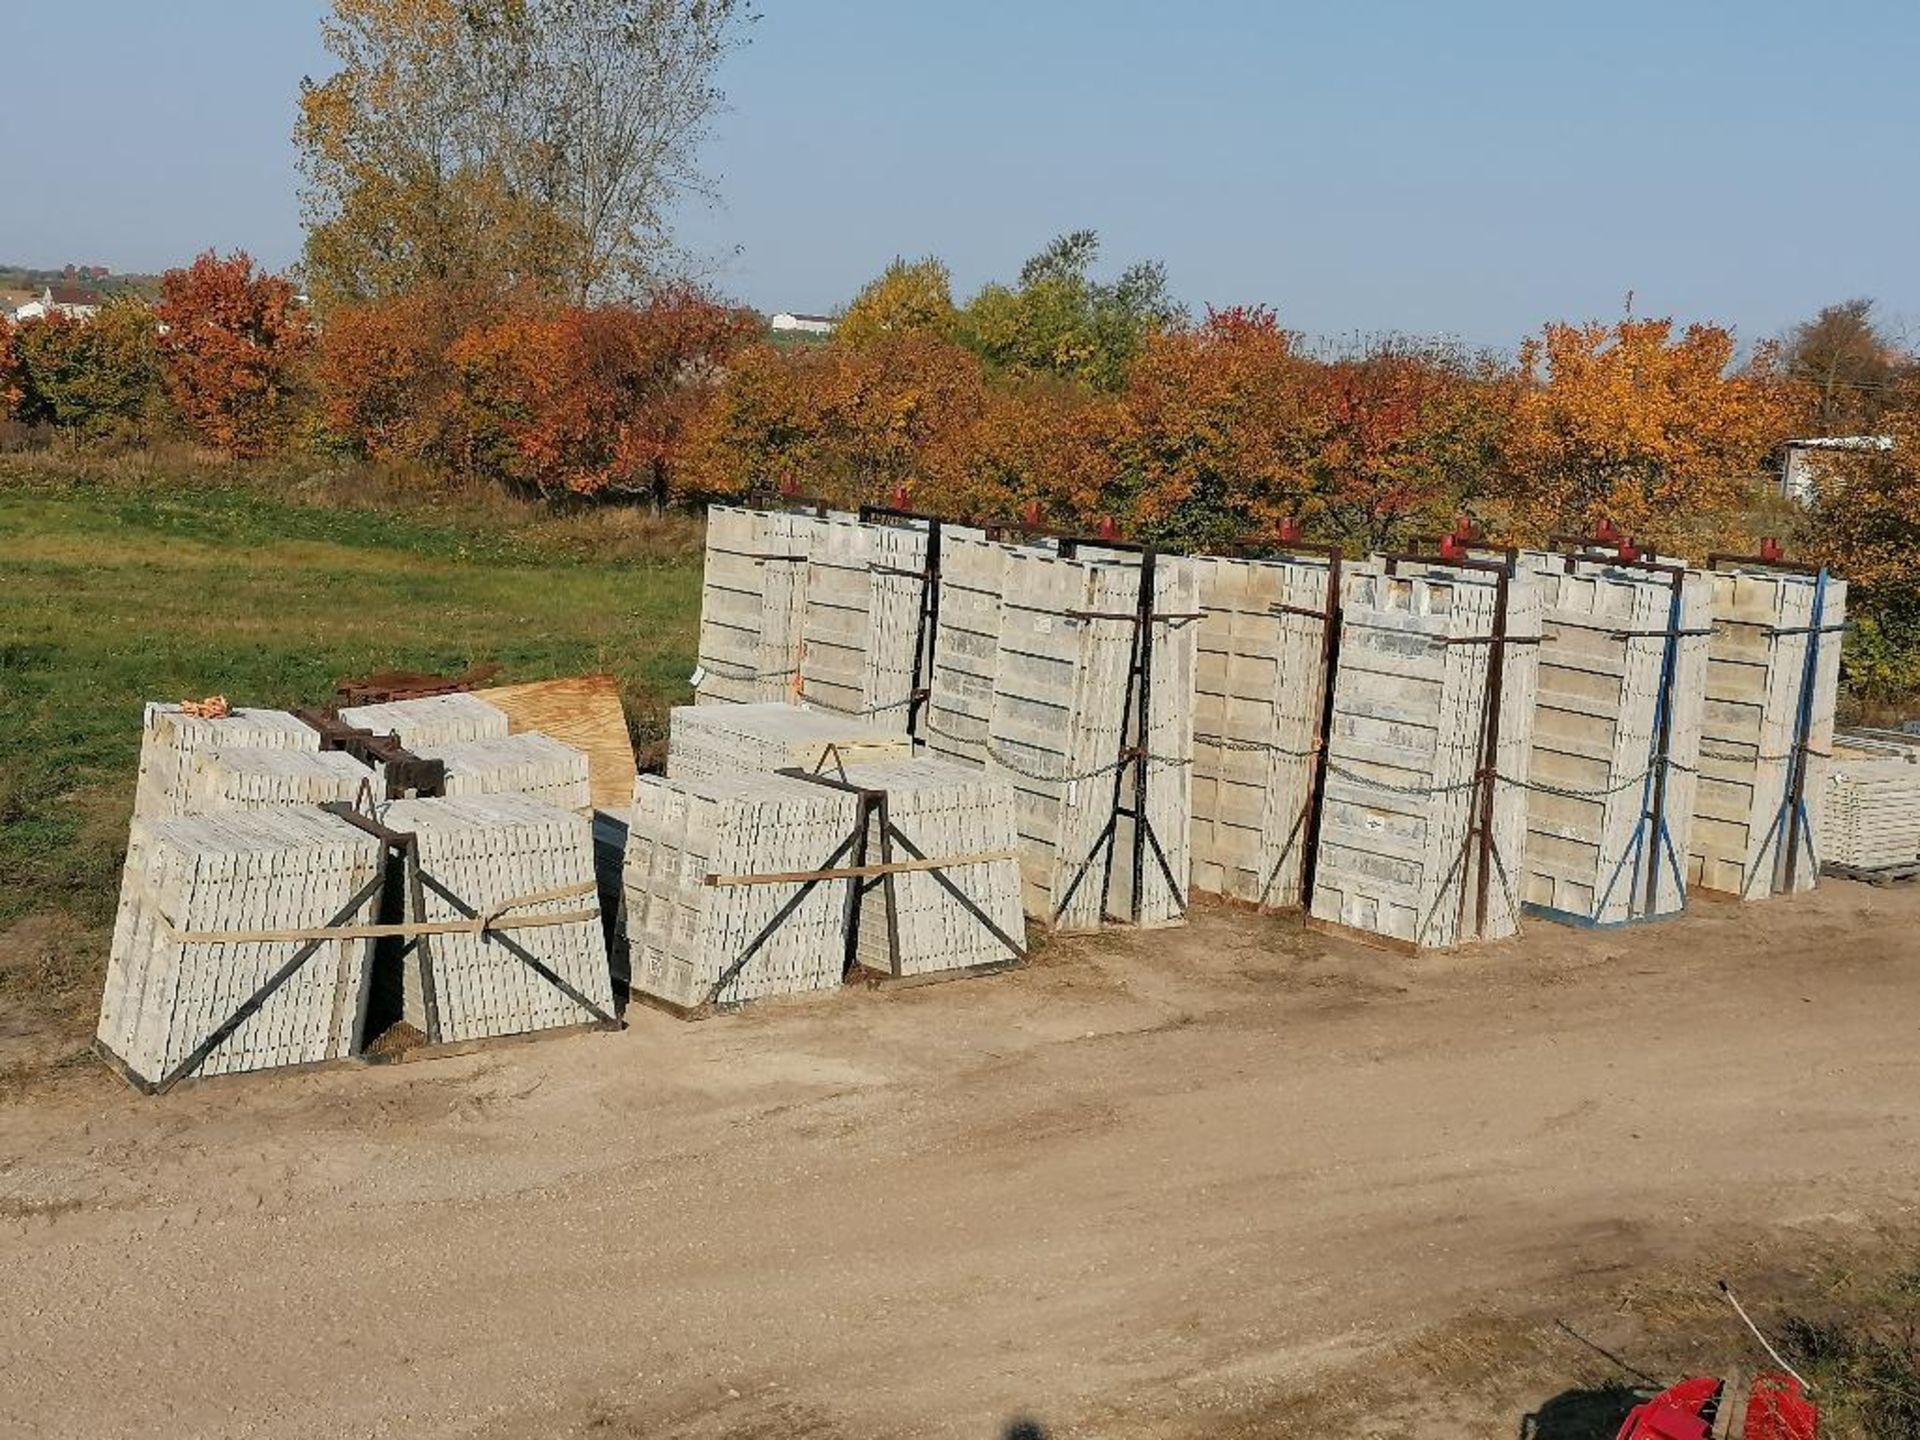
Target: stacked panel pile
<point>170,738</point>
<point>1873,801</point>
<point>252,779</point>
<point>691,942</point>
<point>1399,851</point>
<point>1596,850</point>
<point>1258,696</point>
<point>435,720</point>
<point>514,858</point>
<point>201,898</point>
<point>753,604</point>
<point>1030,679</point>
<point>528,764</point>
<point>944,811</point>
<point>1773,673</point>
<point>864,590</point>
<point>707,742</point>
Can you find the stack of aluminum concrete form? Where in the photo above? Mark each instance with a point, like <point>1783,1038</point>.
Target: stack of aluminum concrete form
<point>201,900</point>
<point>421,725</point>
<point>1772,669</point>
<point>690,940</point>
<point>1258,698</point>
<point>712,741</point>
<point>864,589</point>
<point>1399,853</point>
<point>944,810</point>
<point>529,764</point>
<point>170,738</point>
<point>1593,854</point>
<point>252,779</point>
<point>753,604</point>
<point>1030,679</point>
<point>1873,813</point>
<point>491,851</point>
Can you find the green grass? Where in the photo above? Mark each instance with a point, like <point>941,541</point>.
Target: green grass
<point>112,595</point>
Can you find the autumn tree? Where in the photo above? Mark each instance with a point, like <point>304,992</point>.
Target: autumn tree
<point>909,297</point>
<point>1633,424</point>
<point>230,338</point>
<point>1409,432</point>
<point>386,387</point>
<point>1059,320</point>
<point>97,375</point>
<point>1847,363</point>
<point>1211,440</point>
<point>537,143</point>
<point>853,423</point>
<point>1864,521</point>
<point>592,401</point>
<point>11,392</point>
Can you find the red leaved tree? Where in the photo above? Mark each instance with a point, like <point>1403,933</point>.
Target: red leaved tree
<point>230,339</point>
<point>10,391</point>
<point>591,401</point>
<point>386,386</point>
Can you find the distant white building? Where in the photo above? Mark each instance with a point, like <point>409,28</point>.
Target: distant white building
<point>76,302</point>
<point>807,324</point>
<point>1801,461</point>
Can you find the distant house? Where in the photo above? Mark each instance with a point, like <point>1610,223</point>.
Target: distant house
<point>1801,461</point>
<point>807,324</point>
<point>76,302</point>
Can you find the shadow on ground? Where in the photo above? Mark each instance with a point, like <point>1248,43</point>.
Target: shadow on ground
<point>1594,1413</point>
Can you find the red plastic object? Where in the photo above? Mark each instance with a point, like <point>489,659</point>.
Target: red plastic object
<point>1030,515</point>
<point>789,487</point>
<point>1289,530</point>
<point>1605,532</point>
<point>1465,529</point>
<point>899,498</point>
<point>1451,548</point>
<point>1771,550</point>
<point>1682,1412</point>
<point>1778,1409</point>
<point>1107,529</point>
<point>1626,549</point>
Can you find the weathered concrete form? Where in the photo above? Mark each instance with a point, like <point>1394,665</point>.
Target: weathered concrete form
<point>1031,680</point>
<point>861,625</point>
<point>169,739</point>
<point>940,810</point>
<point>753,604</point>
<point>1258,702</point>
<point>249,778</point>
<point>1773,675</point>
<point>711,742</point>
<point>202,899</point>
<point>420,725</point>
<point>515,859</point>
<point>528,764</point>
<point>692,943</point>
<point>1616,739</point>
<point>1408,762</point>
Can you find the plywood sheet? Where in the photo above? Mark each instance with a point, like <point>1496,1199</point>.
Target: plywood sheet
<point>583,711</point>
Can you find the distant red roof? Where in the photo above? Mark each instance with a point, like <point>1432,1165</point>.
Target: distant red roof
<point>74,295</point>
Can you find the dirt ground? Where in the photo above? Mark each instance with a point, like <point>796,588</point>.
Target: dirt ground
<point>1230,1180</point>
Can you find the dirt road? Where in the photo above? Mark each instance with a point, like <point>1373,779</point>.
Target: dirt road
<point>1148,1187</point>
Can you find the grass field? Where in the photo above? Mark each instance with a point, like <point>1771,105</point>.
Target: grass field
<point>112,594</point>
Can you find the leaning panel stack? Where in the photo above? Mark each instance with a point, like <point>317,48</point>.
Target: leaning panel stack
<point>509,858</point>
<point>434,720</point>
<point>705,742</point>
<point>255,779</point>
<point>694,943</point>
<point>206,904</point>
<point>864,592</point>
<point>170,738</point>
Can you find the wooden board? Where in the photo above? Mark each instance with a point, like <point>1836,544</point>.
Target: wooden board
<point>582,711</point>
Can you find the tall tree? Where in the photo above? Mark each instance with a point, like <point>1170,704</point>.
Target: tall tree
<point>1059,320</point>
<point>1847,363</point>
<point>506,143</point>
<point>230,337</point>
<point>1636,425</point>
<point>909,297</point>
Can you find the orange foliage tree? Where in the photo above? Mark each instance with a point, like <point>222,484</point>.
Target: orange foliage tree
<point>1211,440</point>
<point>10,391</point>
<point>1631,424</point>
<point>1408,433</point>
<point>852,423</point>
<point>385,384</point>
<point>591,401</point>
<point>230,339</point>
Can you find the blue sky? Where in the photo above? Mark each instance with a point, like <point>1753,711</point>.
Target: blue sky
<point>1472,167</point>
